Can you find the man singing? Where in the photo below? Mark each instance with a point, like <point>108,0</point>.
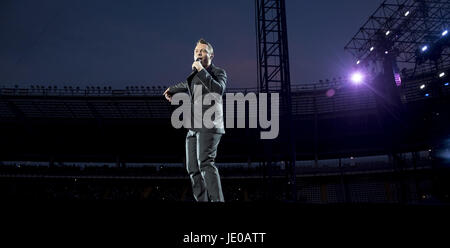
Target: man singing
<point>202,142</point>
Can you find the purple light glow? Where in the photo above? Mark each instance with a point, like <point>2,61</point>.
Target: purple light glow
<point>330,92</point>
<point>398,79</point>
<point>357,77</point>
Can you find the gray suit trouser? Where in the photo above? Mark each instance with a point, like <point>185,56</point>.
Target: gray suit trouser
<point>201,151</point>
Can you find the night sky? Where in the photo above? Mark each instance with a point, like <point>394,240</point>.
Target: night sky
<point>124,43</point>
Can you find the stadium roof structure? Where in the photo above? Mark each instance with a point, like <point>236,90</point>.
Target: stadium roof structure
<point>134,126</point>
<point>414,31</point>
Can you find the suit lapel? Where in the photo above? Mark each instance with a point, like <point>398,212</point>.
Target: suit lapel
<point>192,81</point>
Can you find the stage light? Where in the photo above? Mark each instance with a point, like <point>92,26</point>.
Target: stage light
<point>422,86</point>
<point>358,62</point>
<point>445,33</point>
<point>386,52</point>
<point>427,95</point>
<point>357,77</point>
<point>441,75</point>
<point>388,32</point>
<point>446,84</point>
<point>371,49</point>
<point>424,48</point>
<point>407,13</point>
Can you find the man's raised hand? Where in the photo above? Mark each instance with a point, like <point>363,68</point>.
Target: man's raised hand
<point>168,95</point>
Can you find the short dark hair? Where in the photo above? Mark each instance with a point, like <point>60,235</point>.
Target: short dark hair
<point>203,41</point>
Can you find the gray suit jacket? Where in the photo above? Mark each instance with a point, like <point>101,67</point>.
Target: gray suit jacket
<point>212,80</point>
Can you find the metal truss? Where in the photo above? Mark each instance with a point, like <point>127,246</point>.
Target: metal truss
<point>402,28</point>
<point>274,75</point>
<point>273,57</point>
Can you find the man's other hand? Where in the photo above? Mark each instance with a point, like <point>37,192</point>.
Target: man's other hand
<point>168,95</point>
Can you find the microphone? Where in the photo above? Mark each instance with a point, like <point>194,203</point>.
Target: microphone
<point>198,59</point>
<point>194,71</point>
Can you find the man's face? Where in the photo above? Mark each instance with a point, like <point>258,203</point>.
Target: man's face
<point>201,51</point>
